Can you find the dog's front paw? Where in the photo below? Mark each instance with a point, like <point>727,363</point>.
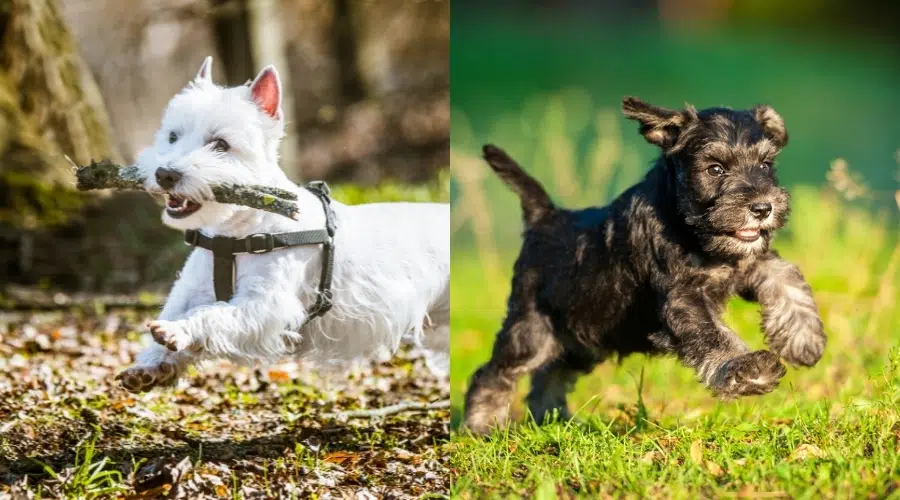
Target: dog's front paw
<point>143,378</point>
<point>804,345</point>
<point>170,334</point>
<point>752,374</point>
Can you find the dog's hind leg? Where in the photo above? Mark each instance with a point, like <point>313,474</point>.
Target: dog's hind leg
<point>525,343</point>
<point>722,360</point>
<point>436,337</point>
<point>550,384</point>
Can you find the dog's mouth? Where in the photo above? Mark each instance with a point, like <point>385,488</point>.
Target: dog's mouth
<point>179,208</point>
<point>749,234</point>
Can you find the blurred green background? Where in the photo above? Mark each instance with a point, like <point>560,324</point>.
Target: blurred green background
<point>544,80</point>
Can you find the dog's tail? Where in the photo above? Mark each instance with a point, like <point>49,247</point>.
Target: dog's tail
<point>536,202</point>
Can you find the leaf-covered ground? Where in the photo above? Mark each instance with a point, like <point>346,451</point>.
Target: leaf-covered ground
<point>68,430</point>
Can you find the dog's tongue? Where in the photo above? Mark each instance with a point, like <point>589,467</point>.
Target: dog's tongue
<point>175,202</point>
<point>748,233</point>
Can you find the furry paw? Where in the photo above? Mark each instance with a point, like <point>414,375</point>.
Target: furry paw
<point>143,378</point>
<point>752,374</point>
<point>802,347</point>
<point>170,334</point>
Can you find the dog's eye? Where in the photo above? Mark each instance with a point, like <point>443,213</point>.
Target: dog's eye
<point>221,145</point>
<point>765,166</point>
<point>715,170</point>
<point>172,137</point>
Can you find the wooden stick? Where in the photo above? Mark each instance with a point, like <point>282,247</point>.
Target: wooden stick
<point>407,406</point>
<point>106,174</point>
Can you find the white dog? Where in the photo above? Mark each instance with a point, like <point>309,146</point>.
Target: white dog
<point>391,263</point>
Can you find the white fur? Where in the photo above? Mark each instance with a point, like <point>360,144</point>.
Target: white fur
<point>391,267</point>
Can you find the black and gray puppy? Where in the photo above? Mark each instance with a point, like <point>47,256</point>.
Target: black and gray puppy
<point>652,271</point>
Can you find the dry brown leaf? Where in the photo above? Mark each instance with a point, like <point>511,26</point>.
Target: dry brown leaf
<point>714,468</point>
<point>339,457</point>
<point>279,376</point>
<point>807,451</point>
<point>221,491</point>
<point>697,452</point>
<point>652,457</point>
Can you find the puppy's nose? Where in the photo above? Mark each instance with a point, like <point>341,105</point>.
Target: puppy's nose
<point>167,177</point>
<point>761,210</point>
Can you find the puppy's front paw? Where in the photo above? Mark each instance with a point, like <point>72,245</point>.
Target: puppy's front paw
<point>804,345</point>
<point>752,374</point>
<point>170,334</point>
<point>143,378</point>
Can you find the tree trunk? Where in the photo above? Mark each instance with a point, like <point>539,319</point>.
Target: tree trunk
<point>49,107</point>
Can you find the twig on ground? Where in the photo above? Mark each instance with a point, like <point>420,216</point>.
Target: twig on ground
<point>407,406</point>
<point>106,174</point>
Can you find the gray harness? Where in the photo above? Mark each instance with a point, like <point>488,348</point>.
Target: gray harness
<point>224,249</point>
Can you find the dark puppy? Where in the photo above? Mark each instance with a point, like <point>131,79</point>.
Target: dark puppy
<point>651,272</point>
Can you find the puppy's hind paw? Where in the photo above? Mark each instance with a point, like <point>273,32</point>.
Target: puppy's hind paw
<point>144,378</point>
<point>752,374</point>
<point>170,335</point>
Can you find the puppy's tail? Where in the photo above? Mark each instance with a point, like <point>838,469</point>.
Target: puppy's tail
<point>536,202</point>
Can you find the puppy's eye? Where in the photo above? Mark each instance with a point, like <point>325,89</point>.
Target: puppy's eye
<point>765,166</point>
<point>221,146</point>
<point>172,137</point>
<point>715,170</point>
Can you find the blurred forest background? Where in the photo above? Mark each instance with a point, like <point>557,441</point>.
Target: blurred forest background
<point>366,103</point>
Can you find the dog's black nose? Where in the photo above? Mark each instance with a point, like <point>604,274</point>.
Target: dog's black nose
<point>167,178</point>
<point>761,210</point>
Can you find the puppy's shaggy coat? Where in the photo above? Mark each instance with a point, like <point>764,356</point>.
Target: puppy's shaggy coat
<point>651,272</point>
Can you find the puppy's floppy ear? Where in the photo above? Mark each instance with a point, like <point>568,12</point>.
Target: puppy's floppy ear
<point>204,74</point>
<point>772,124</point>
<point>266,92</point>
<point>659,126</point>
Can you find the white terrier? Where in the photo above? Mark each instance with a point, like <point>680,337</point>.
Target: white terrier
<point>391,263</point>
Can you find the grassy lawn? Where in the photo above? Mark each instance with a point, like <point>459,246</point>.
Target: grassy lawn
<point>645,428</point>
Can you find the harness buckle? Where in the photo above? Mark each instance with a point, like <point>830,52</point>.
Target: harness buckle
<point>267,239</point>
<point>191,237</point>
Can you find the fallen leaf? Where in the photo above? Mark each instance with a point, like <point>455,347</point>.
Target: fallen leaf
<point>807,451</point>
<point>221,491</point>
<point>339,457</point>
<point>652,457</point>
<point>714,468</point>
<point>697,452</point>
<point>279,376</point>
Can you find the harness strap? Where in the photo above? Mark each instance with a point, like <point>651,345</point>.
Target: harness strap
<point>224,249</point>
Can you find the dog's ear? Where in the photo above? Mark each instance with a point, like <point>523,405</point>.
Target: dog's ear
<point>204,74</point>
<point>772,124</point>
<point>659,126</point>
<point>266,92</point>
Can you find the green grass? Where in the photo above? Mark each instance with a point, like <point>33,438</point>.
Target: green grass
<point>831,430</point>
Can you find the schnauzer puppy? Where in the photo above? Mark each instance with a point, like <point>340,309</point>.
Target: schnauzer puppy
<point>391,266</point>
<point>651,272</point>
